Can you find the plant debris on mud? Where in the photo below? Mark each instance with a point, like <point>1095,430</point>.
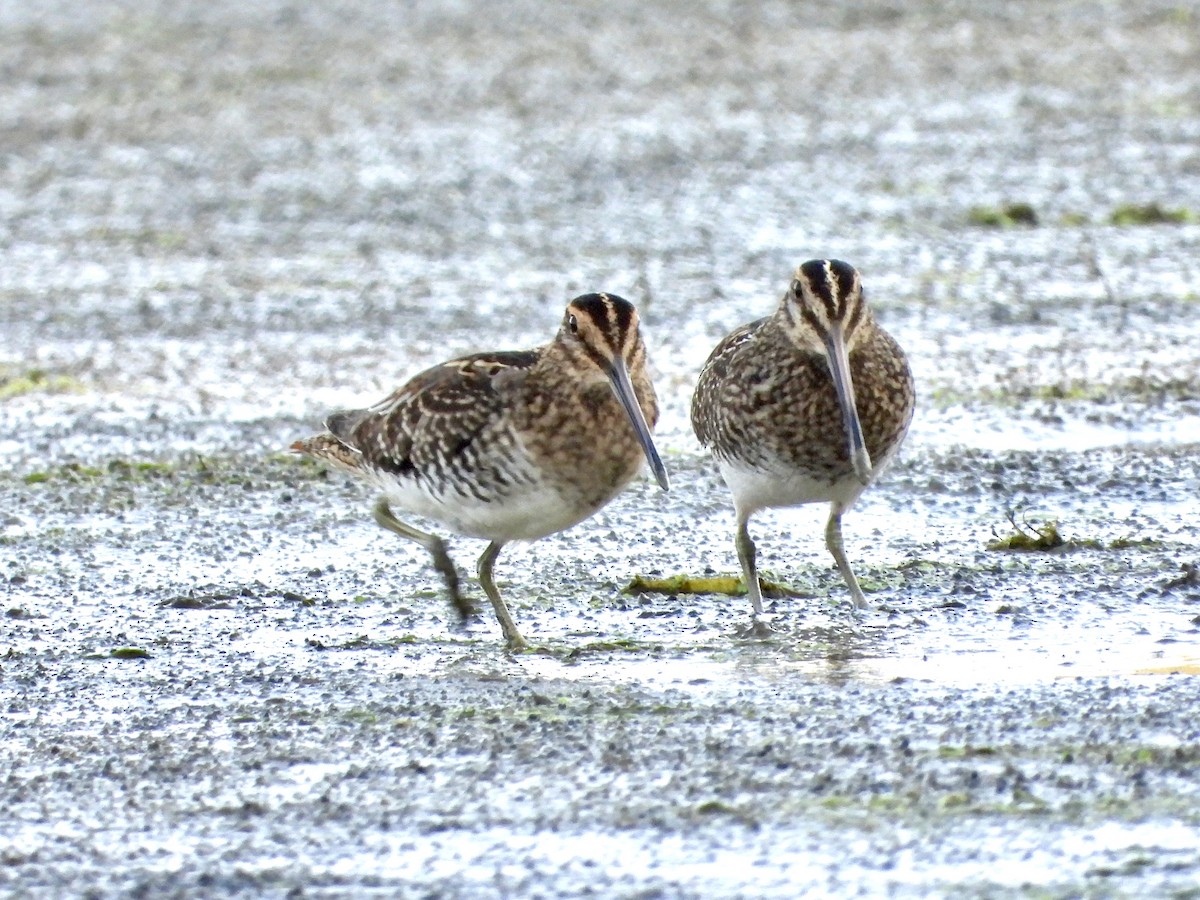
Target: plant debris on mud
<point>219,677</point>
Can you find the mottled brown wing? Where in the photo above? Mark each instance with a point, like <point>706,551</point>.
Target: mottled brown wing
<point>719,390</point>
<point>429,422</point>
<point>888,396</point>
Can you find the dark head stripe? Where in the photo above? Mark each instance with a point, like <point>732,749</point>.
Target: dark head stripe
<point>855,316</point>
<point>816,273</point>
<point>846,277</point>
<point>613,320</point>
<point>833,288</point>
<point>611,314</point>
<point>810,317</point>
<point>620,312</point>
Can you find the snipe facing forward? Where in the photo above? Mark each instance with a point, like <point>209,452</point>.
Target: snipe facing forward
<point>807,405</point>
<point>508,446</point>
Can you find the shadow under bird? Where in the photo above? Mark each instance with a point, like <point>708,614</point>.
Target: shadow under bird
<point>509,445</point>
<point>807,405</point>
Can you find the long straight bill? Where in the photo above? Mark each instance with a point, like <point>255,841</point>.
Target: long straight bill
<point>839,366</point>
<point>623,388</point>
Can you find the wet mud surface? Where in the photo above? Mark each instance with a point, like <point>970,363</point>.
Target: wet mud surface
<point>218,676</point>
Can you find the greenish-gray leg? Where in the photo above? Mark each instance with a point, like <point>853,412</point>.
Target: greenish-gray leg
<point>748,558</point>
<point>507,625</point>
<point>833,540</point>
<point>437,549</point>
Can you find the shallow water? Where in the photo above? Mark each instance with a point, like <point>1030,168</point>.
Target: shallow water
<point>219,222</point>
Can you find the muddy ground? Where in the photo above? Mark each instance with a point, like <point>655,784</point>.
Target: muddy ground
<point>219,221</point>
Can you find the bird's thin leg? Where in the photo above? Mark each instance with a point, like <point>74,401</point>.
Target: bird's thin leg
<point>747,557</point>
<point>833,540</point>
<point>437,549</point>
<point>507,625</point>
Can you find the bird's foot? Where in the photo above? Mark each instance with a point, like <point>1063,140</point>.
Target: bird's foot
<point>514,643</point>
<point>758,629</point>
<point>466,610</point>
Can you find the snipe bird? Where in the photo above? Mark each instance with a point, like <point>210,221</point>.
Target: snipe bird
<point>511,445</point>
<point>807,405</point>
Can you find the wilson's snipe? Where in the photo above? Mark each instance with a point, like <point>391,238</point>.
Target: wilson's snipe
<point>508,446</point>
<point>809,404</point>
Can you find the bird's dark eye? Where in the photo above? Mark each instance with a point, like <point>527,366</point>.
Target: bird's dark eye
<point>573,324</point>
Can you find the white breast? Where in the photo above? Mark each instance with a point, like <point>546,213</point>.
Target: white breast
<point>532,511</point>
<point>755,489</point>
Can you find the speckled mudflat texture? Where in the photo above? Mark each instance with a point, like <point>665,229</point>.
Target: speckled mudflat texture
<point>218,677</point>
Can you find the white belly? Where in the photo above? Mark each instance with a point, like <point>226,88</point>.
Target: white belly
<point>531,512</point>
<point>755,489</point>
